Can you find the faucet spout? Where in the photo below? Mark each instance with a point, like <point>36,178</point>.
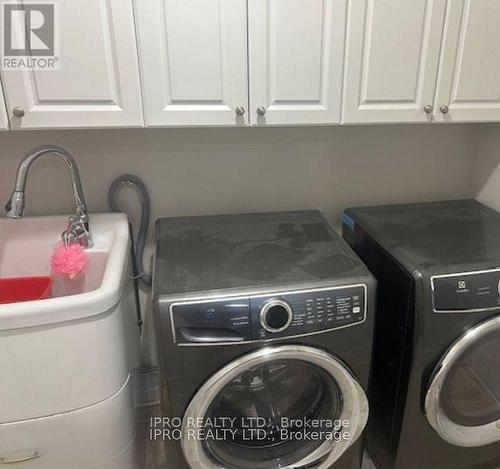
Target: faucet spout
<point>15,205</point>
<point>78,230</point>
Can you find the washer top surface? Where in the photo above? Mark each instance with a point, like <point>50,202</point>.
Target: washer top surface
<point>250,251</point>
<point>435,234</point>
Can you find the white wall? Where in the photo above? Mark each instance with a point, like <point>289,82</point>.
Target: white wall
<point>205,171</point>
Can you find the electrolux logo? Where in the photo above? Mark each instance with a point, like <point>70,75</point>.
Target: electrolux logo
<point>30,39</point>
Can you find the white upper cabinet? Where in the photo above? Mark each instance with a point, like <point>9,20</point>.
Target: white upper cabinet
<point>253,62</point>
<point>296,60</point>
<point>392,56</point>
<point>194,61</point>
<point>97,83</point>
<point>469,76</point>
<point>3,114</point>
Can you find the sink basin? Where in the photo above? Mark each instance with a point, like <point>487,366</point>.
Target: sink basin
<point>26,247</point>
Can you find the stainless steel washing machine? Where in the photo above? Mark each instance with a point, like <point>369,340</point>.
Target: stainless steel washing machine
<point>435,388</point>
<point>264,328</point>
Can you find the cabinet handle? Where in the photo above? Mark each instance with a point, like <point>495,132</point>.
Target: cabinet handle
<point>261,110</point>
<point>35,455</point>
<point>18,112</point>
<point>240,110</point>
<point>444,109</point>
<point>428,109</point>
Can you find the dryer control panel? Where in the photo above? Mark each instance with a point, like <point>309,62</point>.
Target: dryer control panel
<point>466,291</point>
<point>267,317</point>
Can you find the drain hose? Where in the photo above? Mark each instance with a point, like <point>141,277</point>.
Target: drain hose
<point>140,244</point>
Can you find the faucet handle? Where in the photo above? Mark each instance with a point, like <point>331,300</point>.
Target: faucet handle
<point>77,232</point>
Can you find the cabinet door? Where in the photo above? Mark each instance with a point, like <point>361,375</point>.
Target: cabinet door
<point>193,57</point>
<point>469,75</point>
<point>392,58</point>
<point>296,60</point>
<point>3,114</point>
<point>97,82</point>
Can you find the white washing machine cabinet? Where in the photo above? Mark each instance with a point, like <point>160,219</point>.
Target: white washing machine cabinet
<point>264,324</point>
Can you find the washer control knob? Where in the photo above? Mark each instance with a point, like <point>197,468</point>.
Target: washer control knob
<point>276,316</point>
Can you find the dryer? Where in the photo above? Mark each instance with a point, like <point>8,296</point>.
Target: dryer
<point>264,326</point>
<point>435,387</point>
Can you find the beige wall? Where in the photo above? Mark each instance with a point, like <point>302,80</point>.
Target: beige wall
<point>487,165</point>
<point>232,170</point>
<point>191,172</point>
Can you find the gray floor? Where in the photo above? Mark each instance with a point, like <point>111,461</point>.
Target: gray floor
<point>151,452</point>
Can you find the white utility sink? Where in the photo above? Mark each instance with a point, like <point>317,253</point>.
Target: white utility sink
<point>26,247</point>
<point>66,361</point>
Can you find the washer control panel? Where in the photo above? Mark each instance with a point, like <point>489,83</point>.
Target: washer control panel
<point>298,313</point>
<point>267,317</point>
<point>466,291</point>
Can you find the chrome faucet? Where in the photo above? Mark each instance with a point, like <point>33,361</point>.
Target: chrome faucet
<point>78,231</point>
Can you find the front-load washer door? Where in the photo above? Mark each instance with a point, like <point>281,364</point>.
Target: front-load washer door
<point>284,406</point>
<point>463,400</point>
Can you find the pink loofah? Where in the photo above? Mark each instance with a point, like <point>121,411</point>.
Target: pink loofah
<point>70,261</point>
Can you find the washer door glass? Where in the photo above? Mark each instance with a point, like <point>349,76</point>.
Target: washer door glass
<point>268,402</point>
<point>463,402</point>
<point>285,406</point>
<point>471,391</point>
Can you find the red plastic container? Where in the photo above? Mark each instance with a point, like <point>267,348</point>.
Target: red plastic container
<point>16,290</point>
